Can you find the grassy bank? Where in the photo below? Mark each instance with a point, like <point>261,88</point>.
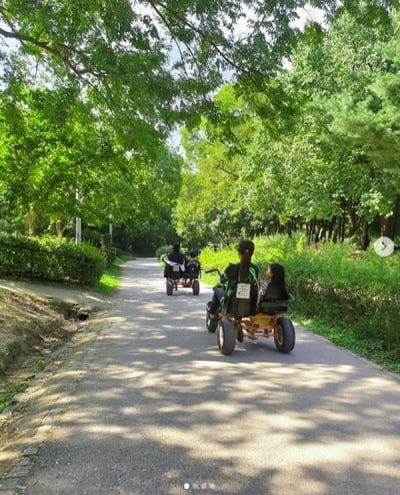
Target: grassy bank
<point>110,280</point>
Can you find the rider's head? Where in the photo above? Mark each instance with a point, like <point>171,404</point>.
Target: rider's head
<point>276,273</point>
<point>246,247</point>
<point>276,276</point>
<point>176,247</point>
<point>245,250</point>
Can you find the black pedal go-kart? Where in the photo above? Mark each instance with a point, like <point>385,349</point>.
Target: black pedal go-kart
<point>234,322</point>
<point>186,276</point>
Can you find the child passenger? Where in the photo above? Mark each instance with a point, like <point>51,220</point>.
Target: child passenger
<point>274,288</point>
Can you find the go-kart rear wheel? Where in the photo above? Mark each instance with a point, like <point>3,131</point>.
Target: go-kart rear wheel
<point>196,287</point>
<point>284,335</point>
<point>226,336</point>
<point>170,287</point>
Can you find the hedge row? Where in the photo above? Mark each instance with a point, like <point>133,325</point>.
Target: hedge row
<point>335,283</point>
<point>50,258</point>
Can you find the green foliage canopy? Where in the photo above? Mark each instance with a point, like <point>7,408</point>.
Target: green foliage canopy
<point>326,153</point>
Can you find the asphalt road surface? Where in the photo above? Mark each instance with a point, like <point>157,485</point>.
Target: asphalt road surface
<point>159,410</point>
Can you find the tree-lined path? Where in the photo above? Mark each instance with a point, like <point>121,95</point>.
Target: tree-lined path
<point>160,411</point>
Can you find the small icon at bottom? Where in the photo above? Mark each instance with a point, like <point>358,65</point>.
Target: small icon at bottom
<point>199,486</point>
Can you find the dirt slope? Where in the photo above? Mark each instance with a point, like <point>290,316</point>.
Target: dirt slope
<point>31,328</point>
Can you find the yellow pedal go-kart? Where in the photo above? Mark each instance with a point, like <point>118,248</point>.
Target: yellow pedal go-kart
<point>234,323</point>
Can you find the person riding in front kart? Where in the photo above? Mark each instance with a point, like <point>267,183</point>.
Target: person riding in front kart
<point>174,257</point>
<point>244,271</point>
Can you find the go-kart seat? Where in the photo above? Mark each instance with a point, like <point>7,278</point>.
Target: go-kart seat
<point>238,307</point>
<point>172,269</point>
<point>192,270</point>
<point>275,306</point>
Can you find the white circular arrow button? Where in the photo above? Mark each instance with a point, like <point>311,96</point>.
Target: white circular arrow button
<point>384,246</point>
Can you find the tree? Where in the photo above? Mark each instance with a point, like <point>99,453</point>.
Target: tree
<point>211,204</point>
<point>151,60</point>
<point>348,78</point>
<point>320,145</point>
<point>54,147</point>
<point>138,67</point>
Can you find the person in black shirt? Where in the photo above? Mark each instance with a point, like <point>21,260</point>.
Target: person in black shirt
<point>175,256</point>
<point>243,271</point>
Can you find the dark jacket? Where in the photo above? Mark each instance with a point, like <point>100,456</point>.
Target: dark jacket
<point>230,278</point>
<point>177,257</point>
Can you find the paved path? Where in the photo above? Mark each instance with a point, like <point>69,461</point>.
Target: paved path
<point>158,410</point>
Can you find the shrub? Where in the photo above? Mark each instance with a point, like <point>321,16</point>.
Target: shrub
<point>50,258</point>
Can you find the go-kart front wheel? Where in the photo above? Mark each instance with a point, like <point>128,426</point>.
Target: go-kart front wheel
<point>196,287</point>
<point>226,336</point>
<point>211,323</point>
<point>284,335</point>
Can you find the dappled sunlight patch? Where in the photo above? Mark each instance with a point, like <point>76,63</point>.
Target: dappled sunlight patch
<point>9,456</point>
<point>100,429</point>
<point>106,395</point>
<point>191,439</point>
<point>177,351</point>
<point>162,351</point>
<point>222,411</point>
<point>119,372</point>
<point>129,410</point>
<point>115,319</point>
<point>147,336</point>
<point>333,415</point>
<point>251,447</point>
<point>345,452</point>
<point>150,317</point>
<point>151,310</point>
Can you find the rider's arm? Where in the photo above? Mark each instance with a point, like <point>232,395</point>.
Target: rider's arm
<point>231,273</point>
<point>262,291</point>
<point>263,288</point>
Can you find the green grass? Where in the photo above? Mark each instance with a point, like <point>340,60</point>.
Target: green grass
<point>7,396</point>
<point>110,280</point>
<point>373,350</point>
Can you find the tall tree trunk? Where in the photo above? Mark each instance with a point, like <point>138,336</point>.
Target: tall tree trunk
<point>30,223</point>
<point>289,227</point>
<point>309,229</point>
<point>352,218</point>
<point>343,229</point>
<point>388,223</point>
<point>277,226</point>
<point>332,234</point>
<point>60,228</point>
<point>365,235</point>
